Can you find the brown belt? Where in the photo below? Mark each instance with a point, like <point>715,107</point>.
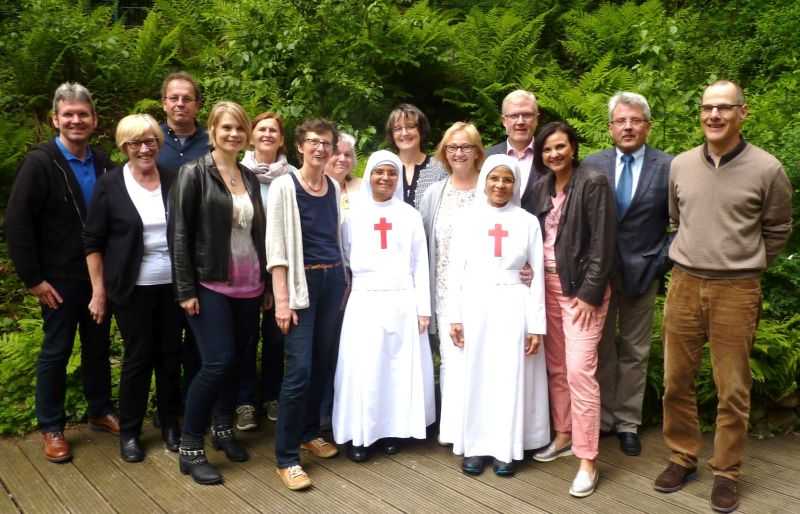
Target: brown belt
<point>550,269</point>
<point>322,266</point>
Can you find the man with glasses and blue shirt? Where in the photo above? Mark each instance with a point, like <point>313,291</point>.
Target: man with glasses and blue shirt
<point>520,115</point>
<point>184,139</point>
<point>638,174</point>
<point>731,203</point>
<point>45,216</point>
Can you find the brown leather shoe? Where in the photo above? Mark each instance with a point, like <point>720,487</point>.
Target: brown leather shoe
<point>673,478</point>
<point>321,448</point>
<point>108,423</point>
<point>294,478</point>
<point>56,447</point>
<point>724,495</point>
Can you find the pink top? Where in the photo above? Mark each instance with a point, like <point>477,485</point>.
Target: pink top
<point>244,268</point>
<point>551,229</point>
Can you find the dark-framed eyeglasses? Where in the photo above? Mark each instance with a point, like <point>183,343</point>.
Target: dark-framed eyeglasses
<point>723,109</point>
<point>136,144</point>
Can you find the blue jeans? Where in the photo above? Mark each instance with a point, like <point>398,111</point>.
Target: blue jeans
<point>223,329</point>
<point>51,370</point>
<point>310,348</point>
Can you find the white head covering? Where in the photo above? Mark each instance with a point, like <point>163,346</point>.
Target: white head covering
<point>491,163</point>
<point>376,159</point>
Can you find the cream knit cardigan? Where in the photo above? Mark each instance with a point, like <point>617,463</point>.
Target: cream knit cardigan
<point>284,239</point>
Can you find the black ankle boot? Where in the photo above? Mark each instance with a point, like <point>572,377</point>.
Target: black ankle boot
<point>130,448</point>
<point>171,435</point>
<point>223,439</point>
<point>192,460</point>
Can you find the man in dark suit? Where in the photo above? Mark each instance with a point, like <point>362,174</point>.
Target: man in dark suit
<point>520,114</point>
<point>639,175</point>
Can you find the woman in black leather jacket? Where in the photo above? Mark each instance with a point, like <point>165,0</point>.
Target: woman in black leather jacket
<point>217,230</point>
<point>576,211</point>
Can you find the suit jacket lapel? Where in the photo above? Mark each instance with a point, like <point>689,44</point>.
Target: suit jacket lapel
<point>645,176</point>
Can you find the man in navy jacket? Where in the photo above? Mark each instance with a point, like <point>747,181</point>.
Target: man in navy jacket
<point>639,176</point>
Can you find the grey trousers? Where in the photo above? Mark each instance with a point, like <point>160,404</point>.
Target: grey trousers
<point>623,354</point>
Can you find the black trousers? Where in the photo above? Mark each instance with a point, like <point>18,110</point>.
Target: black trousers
<point>59,334</point>
<point>271,364</point>
<point>150,327</point>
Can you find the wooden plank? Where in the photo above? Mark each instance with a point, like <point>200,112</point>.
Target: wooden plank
<point>401,487</point>
<point>159,477</point>
<point>26,485</point>
<point>754,498</point>
<point>77,493</point>
<point>534,492</point>
<point>339,493</point>
<point>262,471</point>
<point>122,493</point>
<point>417,459</point>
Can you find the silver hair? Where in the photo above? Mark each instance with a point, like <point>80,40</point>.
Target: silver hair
<point>628,98</point>
<point>350,140</point>
<point>519,93</point>
<point>72,92</point>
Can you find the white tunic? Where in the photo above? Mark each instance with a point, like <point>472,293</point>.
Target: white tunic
<point>384,375</point>
<point>505,398</point>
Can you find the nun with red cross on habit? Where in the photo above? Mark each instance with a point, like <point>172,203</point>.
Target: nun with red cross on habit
<point>499,323</point>
<point>384,388</point>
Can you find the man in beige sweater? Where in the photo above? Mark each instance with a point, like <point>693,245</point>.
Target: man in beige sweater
<point>732,205</point>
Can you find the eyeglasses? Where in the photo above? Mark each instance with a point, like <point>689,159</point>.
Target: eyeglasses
<point>186,99</point>
<point>135,145</point>
<point>408,128</point>
<point>316,143</point>
<point>467,149</point>
<point>635,122</point>
<point>723,109</point>
<point>524,116</point>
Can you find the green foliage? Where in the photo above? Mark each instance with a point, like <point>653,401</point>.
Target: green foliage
<point>455,59</point>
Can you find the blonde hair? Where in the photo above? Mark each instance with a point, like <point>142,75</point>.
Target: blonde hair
<point>235,110</point>
<point>474,138</point>
<point>134,126</point>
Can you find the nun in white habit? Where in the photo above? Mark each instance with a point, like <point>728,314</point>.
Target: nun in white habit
<point>384,386</point>
<point>499,322</point>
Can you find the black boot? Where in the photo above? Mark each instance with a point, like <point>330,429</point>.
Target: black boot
<point>223,439</point>
<point>130,448</point>
<point>192,460</point>
<point>171,435</point>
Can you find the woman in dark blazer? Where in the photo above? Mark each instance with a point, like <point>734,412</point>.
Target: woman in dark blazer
<point>125,239</point>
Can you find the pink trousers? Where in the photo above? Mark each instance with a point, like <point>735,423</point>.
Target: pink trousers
<point>571,354</point>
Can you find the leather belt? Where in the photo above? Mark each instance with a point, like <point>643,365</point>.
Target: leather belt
<point>323,266</point>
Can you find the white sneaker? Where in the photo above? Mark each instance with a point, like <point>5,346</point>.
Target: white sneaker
<point>584,484</point>
<point>551,453</point>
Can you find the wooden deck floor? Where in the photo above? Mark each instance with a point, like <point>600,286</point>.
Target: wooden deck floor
<point>424,477</point>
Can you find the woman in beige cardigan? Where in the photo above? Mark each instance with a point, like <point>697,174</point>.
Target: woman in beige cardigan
<point>304,256</point>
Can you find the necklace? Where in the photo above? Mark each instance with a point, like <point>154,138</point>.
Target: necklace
<point>317,189</point>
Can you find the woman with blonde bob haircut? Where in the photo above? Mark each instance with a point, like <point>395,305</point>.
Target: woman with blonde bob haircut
<point>445,202</point>
<point>217,230</point>
<point>125,239</point>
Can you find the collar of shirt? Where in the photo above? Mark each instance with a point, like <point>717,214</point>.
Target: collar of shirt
<point>636,167</point>
<point>728,156</point>
<point>70,157</point>
<point>526,152</point>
